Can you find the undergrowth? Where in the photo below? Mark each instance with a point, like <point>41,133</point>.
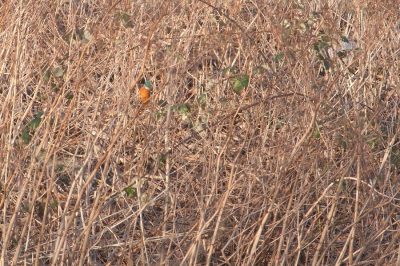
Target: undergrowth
<point>270,138</point>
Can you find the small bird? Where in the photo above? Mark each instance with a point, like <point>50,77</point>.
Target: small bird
<point>145,92</point>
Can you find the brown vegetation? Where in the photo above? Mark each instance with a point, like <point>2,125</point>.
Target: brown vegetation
<point>271,136</point>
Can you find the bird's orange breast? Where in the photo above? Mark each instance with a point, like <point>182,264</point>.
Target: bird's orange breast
<point>144,94</point>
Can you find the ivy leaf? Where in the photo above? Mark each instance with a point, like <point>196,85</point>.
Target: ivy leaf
<point>202,100</point>
<point>162,159</point>
<point>46,76</point>
<point>26,138</point>
<point>227,70</point>
<point>317,135</point>
<point>240,83</point>
<point>131,192</point>
<point>158,115</point>
<point>184,109</point>
<point>36,122</point>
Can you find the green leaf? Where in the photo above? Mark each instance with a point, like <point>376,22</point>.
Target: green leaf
<point>158,115</point>
<point>277,57</point>
<point>162,160</point>
<point>225,70</point>
<point>58,72</point>
<point>46,76</point>
<point>184,108</point>
<point>317,134</point>
<point>233,70</point>
<point>36,122</point>
<point>26,138</point>
<point>237,87</point>
<point>240,83</point>
<point>245,81</point>
<point>131,192</point>
<point>202,100</point>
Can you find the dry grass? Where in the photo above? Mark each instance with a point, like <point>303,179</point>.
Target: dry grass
<point>300,168</point>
